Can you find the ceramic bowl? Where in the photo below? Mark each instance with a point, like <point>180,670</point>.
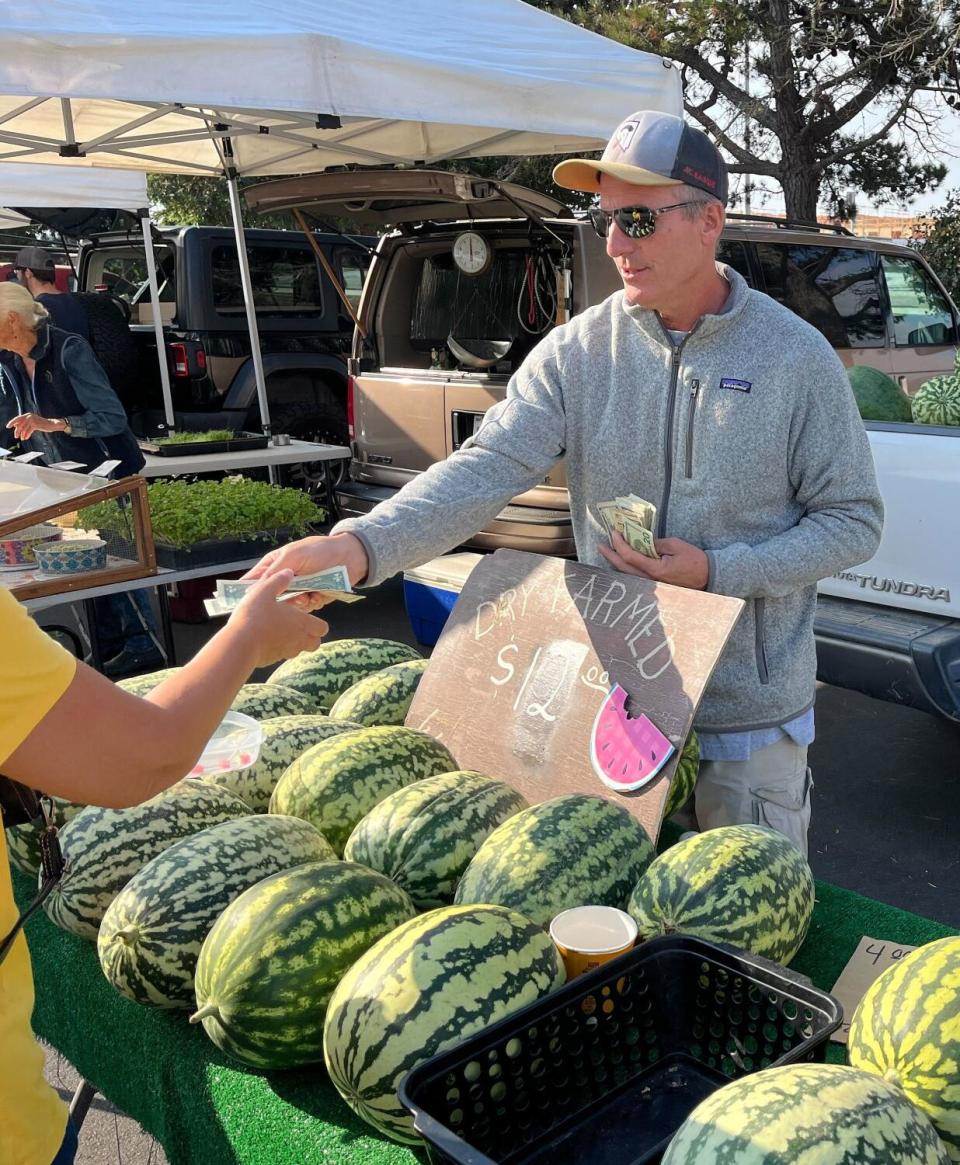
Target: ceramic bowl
<point>72,556</point>
<point>18,549</point>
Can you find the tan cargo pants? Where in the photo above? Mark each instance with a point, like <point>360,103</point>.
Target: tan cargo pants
<point>771,788</point>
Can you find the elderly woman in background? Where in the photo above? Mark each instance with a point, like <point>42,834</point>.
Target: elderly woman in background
<point>54,395</point>
<point>55,399</point>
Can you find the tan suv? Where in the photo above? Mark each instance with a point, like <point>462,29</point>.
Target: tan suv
<point>472,273</point>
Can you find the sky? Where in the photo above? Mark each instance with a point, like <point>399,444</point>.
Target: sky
<point>948,131</point>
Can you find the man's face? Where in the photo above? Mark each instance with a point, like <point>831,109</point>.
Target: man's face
<point>657,269</point>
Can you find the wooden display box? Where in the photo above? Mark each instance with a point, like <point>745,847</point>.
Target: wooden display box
<point>67,497</point>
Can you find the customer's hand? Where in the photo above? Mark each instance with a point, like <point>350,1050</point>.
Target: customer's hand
<point>312,554</point>
<point>278,627</point>
<point>680,563</point>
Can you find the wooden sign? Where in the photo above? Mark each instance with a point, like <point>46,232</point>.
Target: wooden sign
<point>534,648</point>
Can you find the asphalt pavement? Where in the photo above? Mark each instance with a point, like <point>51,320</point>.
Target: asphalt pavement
<point>882,823</point>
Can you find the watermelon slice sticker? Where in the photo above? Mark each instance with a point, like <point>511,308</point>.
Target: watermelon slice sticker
<point>626,752</point>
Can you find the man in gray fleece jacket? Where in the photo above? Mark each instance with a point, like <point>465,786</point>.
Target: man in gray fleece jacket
<point>713,401</point>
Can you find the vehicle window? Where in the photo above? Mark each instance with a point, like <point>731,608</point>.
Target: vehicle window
<point>920,311</point>
<point>353,269</point>
<point>479,307</point>
<point>833,288</point>
<point>124,272</point>
<point>286,281</point>
<point>734,254</point>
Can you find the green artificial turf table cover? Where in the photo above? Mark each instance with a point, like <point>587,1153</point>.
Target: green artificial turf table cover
<point>204,1108</point>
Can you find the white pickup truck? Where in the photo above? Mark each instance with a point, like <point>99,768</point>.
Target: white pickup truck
<point>469,274</point>
<point>891,626</point>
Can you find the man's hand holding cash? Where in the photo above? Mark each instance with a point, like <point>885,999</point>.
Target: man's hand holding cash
<point>630,523</point>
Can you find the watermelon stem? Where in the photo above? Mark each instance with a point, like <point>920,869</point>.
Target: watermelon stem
<point>126,935</point>
<point>206,1010</point>
<point>892,1076</point>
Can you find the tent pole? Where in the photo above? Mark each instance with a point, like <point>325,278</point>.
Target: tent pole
<point>158,322</point>
<point>247,286</point>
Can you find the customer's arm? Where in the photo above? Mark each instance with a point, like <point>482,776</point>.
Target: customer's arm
<point>103,414</point>
<point>520,440</point>
<point>101,745</point>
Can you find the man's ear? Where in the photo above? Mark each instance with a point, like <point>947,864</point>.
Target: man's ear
<point>712,219</point>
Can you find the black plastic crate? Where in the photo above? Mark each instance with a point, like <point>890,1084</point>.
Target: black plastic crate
<point>606,1069</point>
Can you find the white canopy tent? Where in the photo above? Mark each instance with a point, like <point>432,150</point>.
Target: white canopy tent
<point>39,187</point>
<point>27,185</point>
<point>192,87</point>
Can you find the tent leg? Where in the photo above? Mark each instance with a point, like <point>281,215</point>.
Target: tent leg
<point>248,304</point>
<point>157,322</point>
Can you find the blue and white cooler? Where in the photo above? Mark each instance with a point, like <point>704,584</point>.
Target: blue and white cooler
<point>431,590</point>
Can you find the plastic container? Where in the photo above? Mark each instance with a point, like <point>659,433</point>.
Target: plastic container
<point>234,745</point>
<point>19,549</point>
<point>606,1069</point>
<point>71,555</point>
<point>431,591</point>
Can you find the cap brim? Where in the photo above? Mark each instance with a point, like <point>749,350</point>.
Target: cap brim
<point>582,174</point>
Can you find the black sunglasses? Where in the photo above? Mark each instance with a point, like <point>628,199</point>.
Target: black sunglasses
<point>636,222</point>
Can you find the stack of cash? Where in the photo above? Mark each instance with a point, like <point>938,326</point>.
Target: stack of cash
<point>332,584</point>
<point>634,520</point>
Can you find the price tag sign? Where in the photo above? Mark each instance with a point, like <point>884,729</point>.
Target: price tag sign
<point>523,683</point>
<point>867,963</point>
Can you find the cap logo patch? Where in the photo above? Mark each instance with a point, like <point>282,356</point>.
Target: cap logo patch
<point>697,176</point>
<point>625,135</point>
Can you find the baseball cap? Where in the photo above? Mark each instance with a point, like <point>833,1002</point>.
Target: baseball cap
<point>651,149</point>
<point>36,258</point>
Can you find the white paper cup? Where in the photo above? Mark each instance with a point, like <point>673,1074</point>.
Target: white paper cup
<point>589,936</point>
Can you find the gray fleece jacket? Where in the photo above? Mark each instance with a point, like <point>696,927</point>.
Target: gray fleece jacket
<point>747,438</point>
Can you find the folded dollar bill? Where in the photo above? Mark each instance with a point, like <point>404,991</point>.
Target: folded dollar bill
<point>634,520</point>
<point>332,584</point>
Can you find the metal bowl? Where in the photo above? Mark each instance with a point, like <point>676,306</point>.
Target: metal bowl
<point>480,353</point>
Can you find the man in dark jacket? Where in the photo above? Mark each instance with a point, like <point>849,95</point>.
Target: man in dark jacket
<point>34,267</point>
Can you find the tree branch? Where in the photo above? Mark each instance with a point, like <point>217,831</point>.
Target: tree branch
<point>689,56</point>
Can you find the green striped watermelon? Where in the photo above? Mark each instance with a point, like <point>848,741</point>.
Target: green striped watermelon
<point>430,984</point>
<point>326,673</point>
<point>266,701</point>
<point>284,739</point>
<point>338,781</point>
<point>575,850</point>
<point>685,778</point>
<point>383,697</point>
<point>424,835</point>
<point>141,685</point>
<point>104,848</point>
<point>23,841</point>
<point>806,1114</point>
<point>907,1029</point>
<point>740,884</point>
<point>878,396</point>
<point>937,402</point>
<point>270,963</point>
<point>152,931</point>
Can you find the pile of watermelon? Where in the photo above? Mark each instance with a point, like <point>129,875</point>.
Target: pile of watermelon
<point>356,900</point>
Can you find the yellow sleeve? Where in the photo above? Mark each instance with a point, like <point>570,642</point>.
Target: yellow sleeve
<point>35,671</point>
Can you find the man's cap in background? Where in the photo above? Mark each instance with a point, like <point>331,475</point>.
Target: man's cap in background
<point>34,258</point>
<point>651,149</point>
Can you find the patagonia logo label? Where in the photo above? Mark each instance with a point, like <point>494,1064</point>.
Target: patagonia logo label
<point>738,385</point>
